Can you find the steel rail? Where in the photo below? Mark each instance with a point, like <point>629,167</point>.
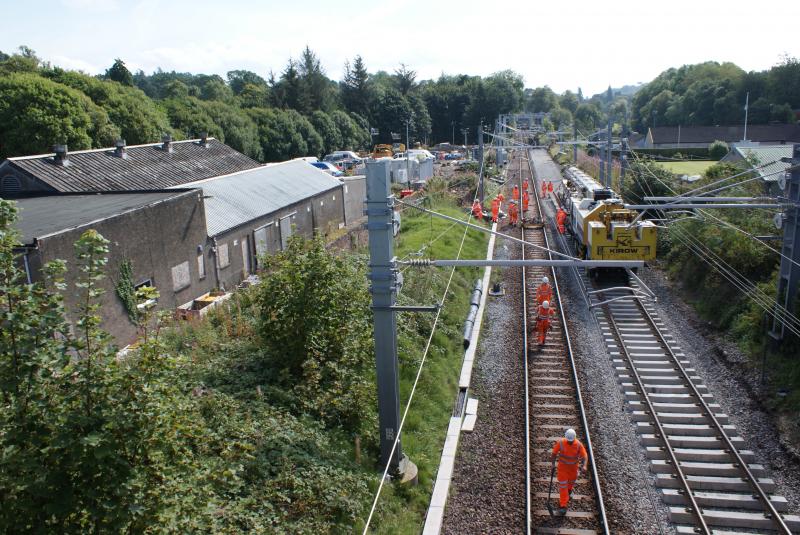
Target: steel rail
<point>762,495</point>
<point>694,507</point>
<point>528,518</point>
<point>601,510</point>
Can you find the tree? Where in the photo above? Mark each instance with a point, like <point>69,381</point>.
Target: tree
<point>215,88</point>
<point>322,359</point>
<point>313,141</point>
<point>254,96</point>
<point>717,150</point>
<point>25,60</point>
<point>36,113</point>
<point>239,79</point>
<point>238,129</point>
<point>355,87</point>
<point>587,116</point>
<point>315,86</point>
<point>279,137</point>
<point>404,78</point>
<point>288,90</point>
<point>189,117</point>
<point>354,134</point>
<point>327,129</point>
<point>541,99</point>
<point>138,118</point>
<point>118,72</point>
<point>569,101</point>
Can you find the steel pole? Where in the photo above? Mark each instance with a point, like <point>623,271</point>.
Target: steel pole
<point>383,287</point>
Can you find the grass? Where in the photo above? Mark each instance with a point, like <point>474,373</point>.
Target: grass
<point>693,167</point>
<point>402,509</point>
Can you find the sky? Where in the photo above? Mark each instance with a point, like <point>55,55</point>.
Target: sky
<point>564,45</point>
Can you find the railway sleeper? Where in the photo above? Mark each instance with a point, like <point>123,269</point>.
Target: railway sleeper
<point>661,363</point>
<point>696,430</point>
<point>714,483</point>
<point>668,389</point>
<point>658,380</point>
<point>699,454</point>
<point>691,442</point>
<point>723,500</point>
<point>673,407</point>
<point>665,371</point>
<point>633,394</point>
<point>696,468</point>
<point>733,519</point>
<point>678,417</point>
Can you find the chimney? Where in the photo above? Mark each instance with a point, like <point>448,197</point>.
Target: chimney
<point>62,157</point>
<point>203,139</point>
<point>166,141</point>
<point>119,149</point>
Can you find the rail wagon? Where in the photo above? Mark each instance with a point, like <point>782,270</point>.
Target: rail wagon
<point>603,229</point>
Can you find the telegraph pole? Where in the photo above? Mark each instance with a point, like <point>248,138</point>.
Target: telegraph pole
<point>623,162</point>
<point>575,146</point>
<point>789,272</point>
<point>609,159</point>
<point>480,163</point>
<point>384,286</point>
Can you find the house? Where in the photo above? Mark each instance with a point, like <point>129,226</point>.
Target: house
<point>763,159</point>
<point>252,213</point>
<point>684,137</point>
<point>162,234</point>
<point>121,168</point>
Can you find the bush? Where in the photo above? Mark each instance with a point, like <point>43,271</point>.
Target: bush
<point>717,150</point>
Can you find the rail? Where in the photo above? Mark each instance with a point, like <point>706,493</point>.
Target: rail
<point>602,518</point>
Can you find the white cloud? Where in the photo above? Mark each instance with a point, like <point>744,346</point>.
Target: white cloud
<point>75,64</point>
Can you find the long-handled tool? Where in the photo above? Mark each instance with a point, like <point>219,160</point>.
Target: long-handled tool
<point>550,490</point>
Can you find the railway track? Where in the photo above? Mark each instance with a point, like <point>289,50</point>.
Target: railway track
<point>707,480</point>
<point>553,399</point>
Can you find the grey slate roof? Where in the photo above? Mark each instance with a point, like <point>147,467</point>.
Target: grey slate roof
<point>241,197</point>
<point>771,133</point>
<point>147,167</point>
<point>43,216</point>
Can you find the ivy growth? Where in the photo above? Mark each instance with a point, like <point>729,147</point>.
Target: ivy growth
<point>126,291</point>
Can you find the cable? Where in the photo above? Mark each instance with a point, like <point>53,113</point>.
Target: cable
<point>776,310</point>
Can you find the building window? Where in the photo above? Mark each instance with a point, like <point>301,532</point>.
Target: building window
<point>181,278</point>
<point>223,260</point>
<point>308,208</point>
<point>201,266</point>
<point>334,197</point>
<point>10,185</point>
<point>322,203</point>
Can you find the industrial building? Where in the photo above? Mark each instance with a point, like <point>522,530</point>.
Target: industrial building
<point>190,217</point>
<point>162,234</point>
<point>252,213</point>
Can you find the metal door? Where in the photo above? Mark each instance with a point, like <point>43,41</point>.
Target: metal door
<point>286,231</point>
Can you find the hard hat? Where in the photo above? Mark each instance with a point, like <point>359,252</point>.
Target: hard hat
<point>546,304</point>
<point>545,279</point>
<point>570,434</point>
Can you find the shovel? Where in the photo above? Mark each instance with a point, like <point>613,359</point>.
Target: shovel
<point>550,490</point>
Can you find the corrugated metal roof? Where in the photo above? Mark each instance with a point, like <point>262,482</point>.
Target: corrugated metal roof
<point>147,167</point>
<point>241,197</point>
<point>42,216</point>
<point>769,155</point>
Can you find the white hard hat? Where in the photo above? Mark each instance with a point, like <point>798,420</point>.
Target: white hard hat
<point>546,304</point>
<point>570,434</point>
<point>545,280</point>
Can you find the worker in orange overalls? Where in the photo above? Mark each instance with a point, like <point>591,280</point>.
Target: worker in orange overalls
<point>572,459</point>
<point>543,316</point>
<point>549,187</point>
<point>515,193</point>
<point>501,197</point>
<point>561,219</point>
<point>495,209</point>
<point>525,200</point>
<point>544,292</point>
<point>513,213</point>
<point>525,185</point>
<point>477,210</point>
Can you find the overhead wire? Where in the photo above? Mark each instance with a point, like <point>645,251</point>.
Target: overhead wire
<point>742,283</point>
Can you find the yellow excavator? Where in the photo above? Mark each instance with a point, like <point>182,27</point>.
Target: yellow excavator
<point>387,151</point>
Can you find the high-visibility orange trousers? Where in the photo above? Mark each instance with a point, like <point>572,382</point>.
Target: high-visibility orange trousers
<point>542,326</point>
<point>566,482</point>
